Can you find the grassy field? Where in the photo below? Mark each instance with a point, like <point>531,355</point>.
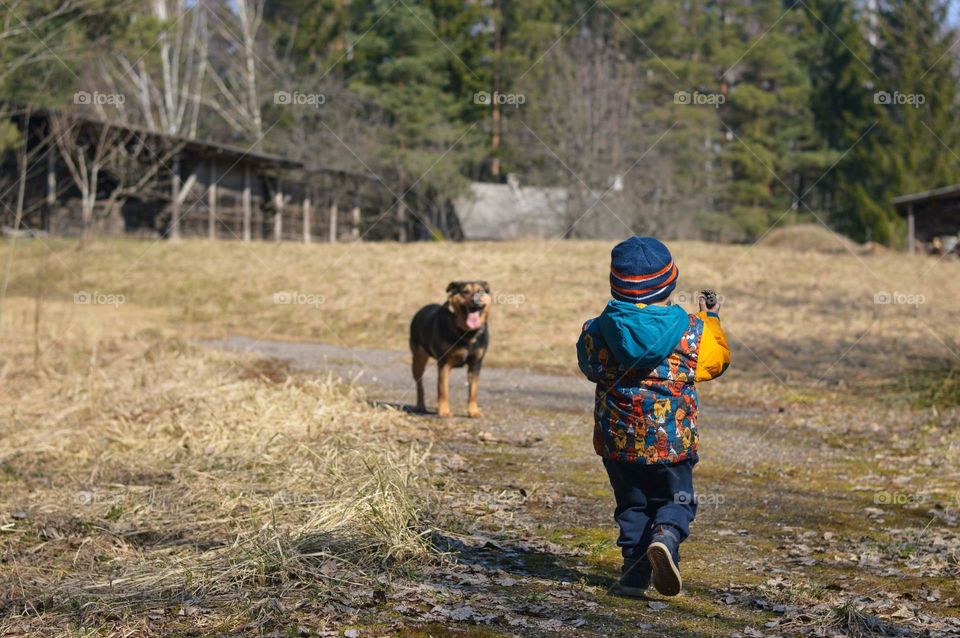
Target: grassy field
<point>802,317</point>
<point>139,471</point>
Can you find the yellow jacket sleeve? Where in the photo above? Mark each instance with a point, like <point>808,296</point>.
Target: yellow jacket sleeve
<point>714,355</point>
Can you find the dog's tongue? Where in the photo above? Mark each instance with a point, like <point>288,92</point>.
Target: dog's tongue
<point>473,320</point>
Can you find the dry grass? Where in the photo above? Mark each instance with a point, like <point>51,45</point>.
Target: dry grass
<point>802,318</point>
<point>138,472</point>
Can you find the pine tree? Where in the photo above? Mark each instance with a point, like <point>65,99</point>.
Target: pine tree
<point>772,149</point>
<point>915,100</point>
<point>842,84</point>
<point>309,34</point>
<point>401,70</point>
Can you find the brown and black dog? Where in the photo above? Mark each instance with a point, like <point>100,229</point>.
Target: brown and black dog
<point>454,334</point>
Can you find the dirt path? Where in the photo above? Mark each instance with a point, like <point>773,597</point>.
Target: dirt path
<point>784,542</point>
<point>387,377</point>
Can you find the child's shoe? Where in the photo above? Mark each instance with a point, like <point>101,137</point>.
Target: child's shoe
<point>634,577</point>
<point>663,554</point>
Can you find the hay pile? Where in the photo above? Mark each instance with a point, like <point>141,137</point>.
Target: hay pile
<point>810,238</point>
<point>140,472</point>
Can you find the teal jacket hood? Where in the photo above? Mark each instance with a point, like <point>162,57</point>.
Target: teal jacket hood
<point>642,337</point>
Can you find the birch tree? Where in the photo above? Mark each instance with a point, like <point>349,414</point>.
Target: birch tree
<point>84,153</point>
<point>164,90</point>
<point>235,75</point>
<point>108,164</point>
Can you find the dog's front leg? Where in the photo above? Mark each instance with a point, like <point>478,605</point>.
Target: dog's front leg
<point>443,384</point>
<point>419,365</point>
<point>473,377</point>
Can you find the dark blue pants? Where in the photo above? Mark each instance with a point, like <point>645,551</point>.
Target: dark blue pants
<point>649,496</point>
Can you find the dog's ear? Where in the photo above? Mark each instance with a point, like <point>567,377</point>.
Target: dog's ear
<point>454,286</point>
<point>486,286</point>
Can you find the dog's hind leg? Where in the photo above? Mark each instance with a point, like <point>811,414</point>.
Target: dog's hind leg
<point>420,358</point>
<point>473,377</point>
<point>443,387</point>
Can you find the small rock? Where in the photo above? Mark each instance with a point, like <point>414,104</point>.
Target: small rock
<point>462,613</point>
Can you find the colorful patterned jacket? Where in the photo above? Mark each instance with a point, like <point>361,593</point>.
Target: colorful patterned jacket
<point>645,361</point>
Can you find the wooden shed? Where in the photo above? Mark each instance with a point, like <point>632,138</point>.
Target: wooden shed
<point>195,188</point>
<point>510,211</point>
<point>931,216</point>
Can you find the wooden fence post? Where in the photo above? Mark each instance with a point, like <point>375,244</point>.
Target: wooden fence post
<point>355,223</point>
<point>175,201</point>
<point>212,203</point>
<point>246,202</point>
<point>51,187</point>
<point>306,216</point>
<point>333,223</point>
<point>402,222</point>
<point>278,213</point>
<point>911,230</point>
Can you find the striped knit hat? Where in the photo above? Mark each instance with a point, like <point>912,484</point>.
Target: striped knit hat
<point>642,270</point>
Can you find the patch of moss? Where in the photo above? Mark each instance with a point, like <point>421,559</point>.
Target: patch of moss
<point>600,544</point>
<point>939,388</point>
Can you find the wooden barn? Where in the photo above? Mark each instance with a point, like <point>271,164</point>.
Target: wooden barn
<point>933,219</point>
<point>70,174</point>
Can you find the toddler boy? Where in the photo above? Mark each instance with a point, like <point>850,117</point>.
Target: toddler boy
<point>646,356</point>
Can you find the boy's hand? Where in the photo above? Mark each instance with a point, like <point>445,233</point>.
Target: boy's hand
<point>709,301</point>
